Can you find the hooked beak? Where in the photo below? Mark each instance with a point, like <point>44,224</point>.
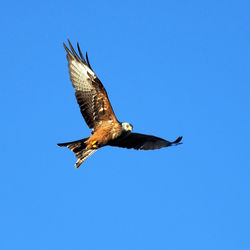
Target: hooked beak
<point>130,128</point>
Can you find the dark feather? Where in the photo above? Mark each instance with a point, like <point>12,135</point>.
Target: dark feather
<point>88,59</point>
<point>74,52</point>
<point>84,100</point>
<point>80,53</point>
<point>68,51</point>
<point>143,142</point>
<point>74,146</point>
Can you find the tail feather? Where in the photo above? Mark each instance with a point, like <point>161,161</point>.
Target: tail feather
<point>83,155</point>
<point>79,148</point>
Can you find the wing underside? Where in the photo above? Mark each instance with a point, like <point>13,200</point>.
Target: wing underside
<point>89,91</point>
<point>143,142</point>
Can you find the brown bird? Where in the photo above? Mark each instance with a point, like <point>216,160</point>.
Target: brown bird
<point>99,115</point>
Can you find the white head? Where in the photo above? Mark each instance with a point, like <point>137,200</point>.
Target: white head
<point>127,127</point>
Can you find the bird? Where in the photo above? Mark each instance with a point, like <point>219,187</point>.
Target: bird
<point>98,113</point>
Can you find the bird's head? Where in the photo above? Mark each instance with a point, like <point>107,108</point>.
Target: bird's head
<point>126,127</point>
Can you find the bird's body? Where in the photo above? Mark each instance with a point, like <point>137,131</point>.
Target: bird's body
<point>99,115</point>
<point>107,131</point>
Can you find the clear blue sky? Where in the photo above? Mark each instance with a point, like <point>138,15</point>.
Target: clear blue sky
<point>171,68</point>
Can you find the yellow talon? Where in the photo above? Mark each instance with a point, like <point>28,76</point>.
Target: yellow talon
<point>94,142</point>
<point>94,146</point>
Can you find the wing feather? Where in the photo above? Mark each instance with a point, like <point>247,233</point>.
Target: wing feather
<point>89,91</point>
<point>143,142</point>
<point>88,60</point>
<point>80,53</point>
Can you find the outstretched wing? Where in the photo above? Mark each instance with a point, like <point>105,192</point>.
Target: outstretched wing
<point>89,91</point>
<point>143,142</point>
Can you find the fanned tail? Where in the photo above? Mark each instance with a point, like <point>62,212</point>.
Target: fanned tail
<point>79,148</point>
<point>83,155</point>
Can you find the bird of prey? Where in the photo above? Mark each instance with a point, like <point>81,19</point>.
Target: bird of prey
<point>99,115</point>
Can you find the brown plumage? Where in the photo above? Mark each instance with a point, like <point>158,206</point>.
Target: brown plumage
<point>99,115</point>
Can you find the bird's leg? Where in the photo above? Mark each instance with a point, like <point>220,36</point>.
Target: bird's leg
<point>94,144</point>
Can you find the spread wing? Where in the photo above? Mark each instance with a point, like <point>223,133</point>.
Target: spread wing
<point>143,142</point>
<point>89,91</point>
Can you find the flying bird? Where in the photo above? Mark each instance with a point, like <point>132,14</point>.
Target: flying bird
<point>99,115</point>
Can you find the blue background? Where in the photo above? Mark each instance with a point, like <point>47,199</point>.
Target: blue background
<point>170,68</point>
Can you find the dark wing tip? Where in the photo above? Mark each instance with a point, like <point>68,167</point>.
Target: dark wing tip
<point>66,48</point>
<point>177,141</point>
<point>80,53</point>
<point>69,43</point>
<point>72,53</point>
<point>88,60</point>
